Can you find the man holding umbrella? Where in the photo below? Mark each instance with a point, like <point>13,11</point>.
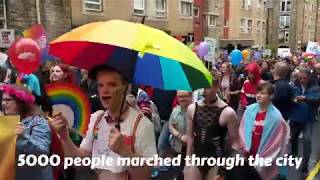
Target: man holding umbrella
<point>144,56</point>
<point>134,138</point>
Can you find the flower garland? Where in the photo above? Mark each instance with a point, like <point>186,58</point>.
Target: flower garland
<point>19,94</point>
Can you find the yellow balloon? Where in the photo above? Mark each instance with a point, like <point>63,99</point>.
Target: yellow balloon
<point>245,54</point>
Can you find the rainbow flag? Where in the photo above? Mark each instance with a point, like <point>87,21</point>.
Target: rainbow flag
<point>8,140</point>
<point>38,34</point>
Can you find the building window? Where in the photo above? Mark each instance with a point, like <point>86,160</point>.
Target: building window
<point>284,36</point>
<point>285,5</point>
<point>138,7</point>
<point>186,7</point>
<point>195,11</point>
<point>242,25</point>
<point>264,28</point>
<point>212,20</point>
<point>284,22</point>
<point>161,8</point>
<point>216,3</point>
<point>310,21</point>
<point>258,26</point>
<point>259,5</point>
<point>249,27</point>
<point>92,5</point>
<point>226,23</point>
<point>2,12</point>
<point>246,4</point>
<point>243,4</point>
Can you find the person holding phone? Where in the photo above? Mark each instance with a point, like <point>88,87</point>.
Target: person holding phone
<point>306,98</point>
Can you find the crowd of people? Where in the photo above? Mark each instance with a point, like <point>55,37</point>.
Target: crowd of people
<point>264,107</point>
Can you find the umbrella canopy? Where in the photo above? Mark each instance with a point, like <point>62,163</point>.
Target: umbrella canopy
<point>143,54</point>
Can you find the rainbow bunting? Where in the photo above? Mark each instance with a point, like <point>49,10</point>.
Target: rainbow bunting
<point>72,96</point>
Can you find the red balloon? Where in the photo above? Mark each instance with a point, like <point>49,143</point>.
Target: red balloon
<point>25,55</point>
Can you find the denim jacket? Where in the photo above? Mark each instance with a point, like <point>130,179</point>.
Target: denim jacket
<point>36,139</point>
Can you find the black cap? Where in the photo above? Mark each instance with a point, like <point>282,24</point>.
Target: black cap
<point>99,68</point>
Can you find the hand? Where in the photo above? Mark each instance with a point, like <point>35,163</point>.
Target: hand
<point>20,129</point>
<point>60,124</point>
<point>132,101</point>
<point>117,143</point>
<point>184,139</point>
<point>218,177</point>
<point>146,112</point>
<point>301,98</point>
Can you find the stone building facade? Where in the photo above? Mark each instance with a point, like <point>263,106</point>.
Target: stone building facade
<point>292,23</point>
<point>173,16</point>
<point>54,15</point>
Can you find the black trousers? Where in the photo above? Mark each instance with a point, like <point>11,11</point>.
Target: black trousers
<point>245,172</point>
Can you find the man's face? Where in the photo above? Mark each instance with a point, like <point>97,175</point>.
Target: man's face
<point>184,98</point>
<point>317,66</point>
<point>304,78</point>
<point>250,76</point>
<point>109,83</point>
<point>210,93</point>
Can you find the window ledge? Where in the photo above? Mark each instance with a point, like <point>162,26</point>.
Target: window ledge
<point>212,26</point>
<point>141,15</point>
<point>154,18</point>
<point>93,13</point>
<point>186,17</point>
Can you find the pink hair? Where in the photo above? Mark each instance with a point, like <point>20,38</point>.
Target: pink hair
<point>20,94</point>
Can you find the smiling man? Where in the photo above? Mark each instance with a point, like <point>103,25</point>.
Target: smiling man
<point>134,138</point>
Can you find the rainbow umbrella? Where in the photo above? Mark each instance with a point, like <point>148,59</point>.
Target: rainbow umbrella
<point>146,56</point>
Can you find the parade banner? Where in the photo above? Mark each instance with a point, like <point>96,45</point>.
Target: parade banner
<point>38,34</point>
<point>8,142</point>
<point>283,52</point>
<point>6,37</point>
<point>313,48</point>
<point>212,46</point>
<point>267,53</point>
<point>225,55</point>
<point>257,55</point>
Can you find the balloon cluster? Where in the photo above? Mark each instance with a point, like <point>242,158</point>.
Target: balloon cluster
<point>25,55</point>
<point>236,57</point>
<point>309,58</point>
<point>203,49</point>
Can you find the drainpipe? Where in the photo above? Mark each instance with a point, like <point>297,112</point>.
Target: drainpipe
<point>38,11</point>
<point>316,23</point>
<point>5,24</point>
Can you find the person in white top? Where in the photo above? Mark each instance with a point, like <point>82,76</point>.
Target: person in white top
<point>134,138</point>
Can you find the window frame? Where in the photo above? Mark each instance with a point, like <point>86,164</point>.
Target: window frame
<point>243,28</point>
<point>191,8</point>
<point>287,4</point>
<point>286,21</point>
<point>142,9</point>
<point>258,28</point>
<point>196,7</point>
<point>249,31</point>
<point>159,11</point>
<point>209,22</point>
<point>86,9</point>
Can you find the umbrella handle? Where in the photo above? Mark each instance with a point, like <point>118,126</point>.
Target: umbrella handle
<point>121,109</point>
